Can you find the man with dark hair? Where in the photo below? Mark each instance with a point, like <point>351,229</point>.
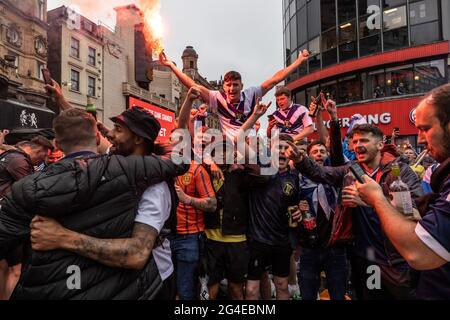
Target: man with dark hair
<point>316,253</point>
<point>425,245</point>
<point>371,246</point>
<point>235,105</point>
<point>269,243</point>
<point>93,218</point>
<point>290,118</point>
<point>15,164</point>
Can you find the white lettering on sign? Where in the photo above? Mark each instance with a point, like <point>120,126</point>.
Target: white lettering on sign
<point>384,118</point>
<point>374,20</point>
<point>162,133</point>
<point>167,118</point>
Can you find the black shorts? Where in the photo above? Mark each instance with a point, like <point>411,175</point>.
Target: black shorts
<point>226,260</point>
<point>262,256</point>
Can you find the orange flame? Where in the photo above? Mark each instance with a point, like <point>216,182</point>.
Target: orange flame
<point>154,28</point>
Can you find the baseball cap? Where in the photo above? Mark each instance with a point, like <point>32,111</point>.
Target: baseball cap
<point>141,122</point>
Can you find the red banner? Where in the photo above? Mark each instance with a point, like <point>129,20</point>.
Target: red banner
<point>386,115</point>
<point>165,118</point>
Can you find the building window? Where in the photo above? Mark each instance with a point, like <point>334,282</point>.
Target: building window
<point>40,67</point>
<point>392,3</point>
<point>349,89</point>
<point>302,35</point>
<point>75,80</point>
<point>423,11</point>
<point>41,10</point>
<point>300,98</point>
<point>16,59</point>
<point>425,33</point>
<point>346,10</point>
<point>92,56</point>
<point>314,49</point>
<point>328,19</point>
<point>75,48</point>
<point>399,81</point>
<point>396,39</point>
<point>87,25</point>
<point>370,45</point>
<point>429,75</point>
<point>329,40</point>
<point>376,83</point>
<point>329,89</point>
<point>293,26</point>
<point>91,86</point>
<point>313,8</point>
<point>394,18</point>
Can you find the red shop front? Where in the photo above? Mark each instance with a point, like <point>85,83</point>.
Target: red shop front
<point>165,117</point>
<point>387,115</point>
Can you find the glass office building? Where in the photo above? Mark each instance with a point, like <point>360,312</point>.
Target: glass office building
<point>374,57</point>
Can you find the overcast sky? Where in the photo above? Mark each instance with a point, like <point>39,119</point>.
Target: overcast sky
<point>241,35</point>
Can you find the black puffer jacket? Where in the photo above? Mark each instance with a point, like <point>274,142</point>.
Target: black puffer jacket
<point>97,197</point>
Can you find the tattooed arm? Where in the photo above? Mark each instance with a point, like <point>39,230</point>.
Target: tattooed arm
<point>202,204</point>
<point>131,253</point>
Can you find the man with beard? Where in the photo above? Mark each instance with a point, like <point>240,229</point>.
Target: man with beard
<point>424,245</point>
<point>115,239</point>
<point>371,246</point>
<point>318,255</point>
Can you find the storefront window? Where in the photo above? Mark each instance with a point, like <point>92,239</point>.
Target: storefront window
<point>394,18</point>
<point>347,41</point>
<point>311,92</point>
<point>396,39</point>
<point>292,9</point>
<point>300,98</point>
<point>330,89</point>
<point>314,60</point>
<point>429,75</point>
<point>399,81</point>
<point>376,83</point>
<point>328,19</point>
<point>349,89</point>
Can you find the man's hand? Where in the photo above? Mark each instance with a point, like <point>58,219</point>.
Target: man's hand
<point>216,172</point>
<point>46,234</point>
<point>261,108</point>
<point>297,215</point>
<point>163,59</point>
<point>183,197</point>
<point>55,90</point>
<point>351,198</point>
<point>194,93</point>
<point>293,153</point>
<point>3,135</point>
<point>370,191</point>
<point>330,105</point>
<point>303,56</point>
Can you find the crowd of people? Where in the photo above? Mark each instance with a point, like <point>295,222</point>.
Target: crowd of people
<point>112,207</point>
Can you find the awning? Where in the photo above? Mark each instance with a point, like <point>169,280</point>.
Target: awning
<point>17,115</point>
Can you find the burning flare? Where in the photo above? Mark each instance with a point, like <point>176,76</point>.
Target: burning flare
<point>154,29</point>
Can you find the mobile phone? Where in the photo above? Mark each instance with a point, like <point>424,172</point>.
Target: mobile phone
<point>47,77</point>
<point>358,172</point>
<point>396,129</point>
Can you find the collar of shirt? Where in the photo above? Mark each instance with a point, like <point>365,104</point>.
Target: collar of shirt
<point>81,154</point>
<point>287,110</point>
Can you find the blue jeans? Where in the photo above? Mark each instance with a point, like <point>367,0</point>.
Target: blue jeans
<point>185,252</point>
<point>331,260</point>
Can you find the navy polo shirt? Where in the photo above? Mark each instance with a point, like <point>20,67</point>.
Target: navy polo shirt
<point>434,231</point>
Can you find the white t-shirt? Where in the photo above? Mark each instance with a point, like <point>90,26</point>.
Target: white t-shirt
<point>154,211</point>
<point>231,117</point>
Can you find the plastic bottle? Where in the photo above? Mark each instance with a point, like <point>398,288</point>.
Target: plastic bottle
<point>400,193</point>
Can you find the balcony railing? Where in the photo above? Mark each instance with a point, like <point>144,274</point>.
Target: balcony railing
<point>130,90</point>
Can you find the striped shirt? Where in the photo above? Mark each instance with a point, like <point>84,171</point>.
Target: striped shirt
<point>294,120</point>
<point>195,183</point>
<point>233,116</point>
